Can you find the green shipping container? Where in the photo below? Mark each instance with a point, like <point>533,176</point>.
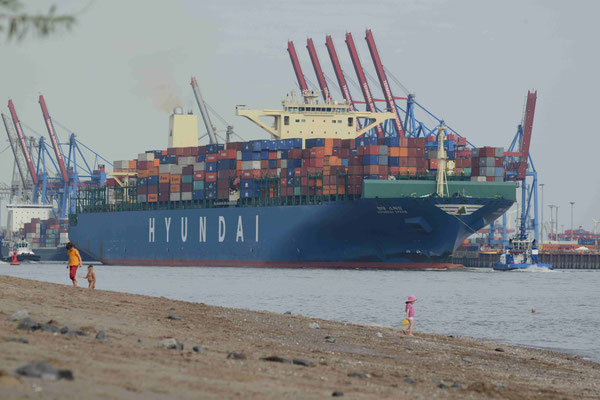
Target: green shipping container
<point>297,191</point>
<point>187,178</point>
<point>198,185</point>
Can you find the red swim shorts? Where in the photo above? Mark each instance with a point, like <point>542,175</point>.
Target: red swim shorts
<point>73,272</point>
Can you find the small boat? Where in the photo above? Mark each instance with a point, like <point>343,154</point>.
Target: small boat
<point>521,254</point>
<point>24,252</point>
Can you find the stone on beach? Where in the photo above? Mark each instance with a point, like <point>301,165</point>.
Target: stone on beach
<point>304,363</point>
<point>314,325</point>
<point>198,349</point>
<point>329,339</point>
<point>358,375</point>
<point>27,324</point>
<point>174,317</point>
<point>19,315</point>
<point>171,344</point>
<point>337,393</point>
<point>236,356</point>
<point>277,359</point>
<point>44,370</point>
<point>101,335</point>
<point>17,340</point>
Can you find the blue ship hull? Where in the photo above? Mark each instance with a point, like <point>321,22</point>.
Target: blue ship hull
<point>391,233</point>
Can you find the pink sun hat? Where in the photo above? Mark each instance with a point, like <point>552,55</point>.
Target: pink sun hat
<point>411,298</point>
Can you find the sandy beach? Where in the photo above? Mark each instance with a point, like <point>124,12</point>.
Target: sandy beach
<point>362,362</point>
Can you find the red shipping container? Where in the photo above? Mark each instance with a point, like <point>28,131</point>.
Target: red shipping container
<point>499,162</point>
<point>317,152</point>
<point>210,177</point>
<point>272,155</point>
<point>179,151</point>
<point>421,163</point>
<point>229,154</point>
<point>153,189</point>
<point>462,141</point>
<point>164,187</point>
<point>412,161</point>
<point>163,196</point>
<point>403,162</point>
<point>188,170</point>
<point>412,151</point>
<point>171,151</point>
<point>199,175</point>
<point>187,151</point>
<point>490,178</point>
<point>225,173</point>
<point>142,190</point>
<point>299,172</point>
<point>433,164</point>
<point>420,142</point>
<point>383,169</point>
<point>420,152</point>
<point>251,174</point>
<point>371,169</point>
<point>201,150</point>
<point>194,151</point>
<point>212,157</point>
<point>371,150</point>
<point>394,171</point>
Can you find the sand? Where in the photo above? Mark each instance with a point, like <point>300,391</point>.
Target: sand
<point>396,366</point>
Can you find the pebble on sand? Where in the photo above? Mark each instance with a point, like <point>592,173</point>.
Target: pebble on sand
<point>101,335</point>
<point>174,317</point>
<point>329,339</point>
<point>45,371</point>
<point>337,393</point>
<point>314,325</point>
<point>198,349</point>
<point>19,315</point>
<point>171,344</point>
<point>17,340</point>
<point>236,356</point>
<point>358,375</point>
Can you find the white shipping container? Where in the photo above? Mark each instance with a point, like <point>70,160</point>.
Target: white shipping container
<point>478,179</point>
<point>284,163</point>
<point>186,196</point>
<point>238,156</point>
<point>176,169</point>
<point>184,161</point>
<point>199,167</point>
<point>146,157</point>
<point>141,198</point>
<point>165,168</point>
<point>175,196</point>
<point>247,165</point>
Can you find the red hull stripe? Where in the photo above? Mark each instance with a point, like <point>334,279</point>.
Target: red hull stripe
<point>280,264</point>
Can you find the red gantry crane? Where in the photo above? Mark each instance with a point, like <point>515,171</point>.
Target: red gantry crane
<point>385,87</point>
<point>297,69</point>
<point>362,80</point>
<point>318,71</point>
<point>24,148</point>
<point>59,156</point>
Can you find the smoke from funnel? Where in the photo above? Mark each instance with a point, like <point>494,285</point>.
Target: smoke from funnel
<point>155,80</point>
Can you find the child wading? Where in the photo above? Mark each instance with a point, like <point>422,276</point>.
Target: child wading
<point>410,314</point>
<point>91,277</point>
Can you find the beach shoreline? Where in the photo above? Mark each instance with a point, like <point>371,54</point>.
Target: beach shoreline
<point>360,361</point>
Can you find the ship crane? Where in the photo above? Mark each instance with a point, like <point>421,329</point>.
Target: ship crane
<point>297,68</point>
<point>362,80</point>
<point>385,87</point>
<point>318,71</point>
<point>205,117</point>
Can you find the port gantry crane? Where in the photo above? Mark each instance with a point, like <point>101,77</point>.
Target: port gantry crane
<point>205,117</point>
<point>22,184</point>
<point>519,166</point>
<point>57,186</point>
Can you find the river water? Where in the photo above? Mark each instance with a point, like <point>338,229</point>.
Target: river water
<point>479,303</point>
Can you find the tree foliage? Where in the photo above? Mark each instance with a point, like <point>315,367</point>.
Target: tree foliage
<point>16,23</point>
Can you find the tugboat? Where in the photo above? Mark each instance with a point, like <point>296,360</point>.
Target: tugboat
<point>521,254</point>
<point>23,252</point>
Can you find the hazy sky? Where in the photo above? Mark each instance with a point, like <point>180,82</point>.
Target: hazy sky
<point>114,77</point>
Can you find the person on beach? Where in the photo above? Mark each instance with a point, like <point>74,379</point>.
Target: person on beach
<point>74,263</point>
<point>410,314</point>
<point>91,277</point>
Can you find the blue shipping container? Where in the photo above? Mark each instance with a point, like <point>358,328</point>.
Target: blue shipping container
<point>198,195</point>
<point>211,167</point>
<point>370,160</point>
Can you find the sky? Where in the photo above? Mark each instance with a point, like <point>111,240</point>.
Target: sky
<point>113,79</point>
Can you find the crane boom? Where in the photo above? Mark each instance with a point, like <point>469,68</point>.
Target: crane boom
<point>385,87</point>
<point>24,148</point>
<point>14,144</point>
<point>527,129</point>
<point>297,68</point>
<point>318,71</point>
<point>339,73</point>
<point>205,117</point>
<point>362,79</point>
<point>50,126</point>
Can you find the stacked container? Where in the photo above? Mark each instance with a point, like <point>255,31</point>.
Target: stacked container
<point>488,164</point>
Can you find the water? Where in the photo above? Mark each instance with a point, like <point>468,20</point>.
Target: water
<point>478,303</point>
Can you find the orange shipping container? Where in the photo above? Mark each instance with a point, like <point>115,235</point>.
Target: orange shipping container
<point>156,162</point>
<point>394,151</point>
<point>176,179</point>
<point>143,173</point>
<point>132,164</point>
<point>152,198</point>
<point>175,188</point>
<point>164,178</point>
<point>153,171</point>
<point>403,151</point>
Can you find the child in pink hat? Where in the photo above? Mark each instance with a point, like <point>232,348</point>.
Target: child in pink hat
<point>410,314</point>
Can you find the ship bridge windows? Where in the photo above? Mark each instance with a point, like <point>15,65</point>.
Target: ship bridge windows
<point>350,121</point>
<point>301,108</point>
<point>286,120</point>
<point>297,120</point>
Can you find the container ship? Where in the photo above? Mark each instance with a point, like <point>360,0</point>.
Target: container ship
<point>318,194</point>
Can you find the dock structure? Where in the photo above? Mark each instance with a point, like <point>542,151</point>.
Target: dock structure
<point>558,260</point>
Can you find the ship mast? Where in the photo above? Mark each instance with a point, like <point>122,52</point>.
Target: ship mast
<point>442,183</point>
